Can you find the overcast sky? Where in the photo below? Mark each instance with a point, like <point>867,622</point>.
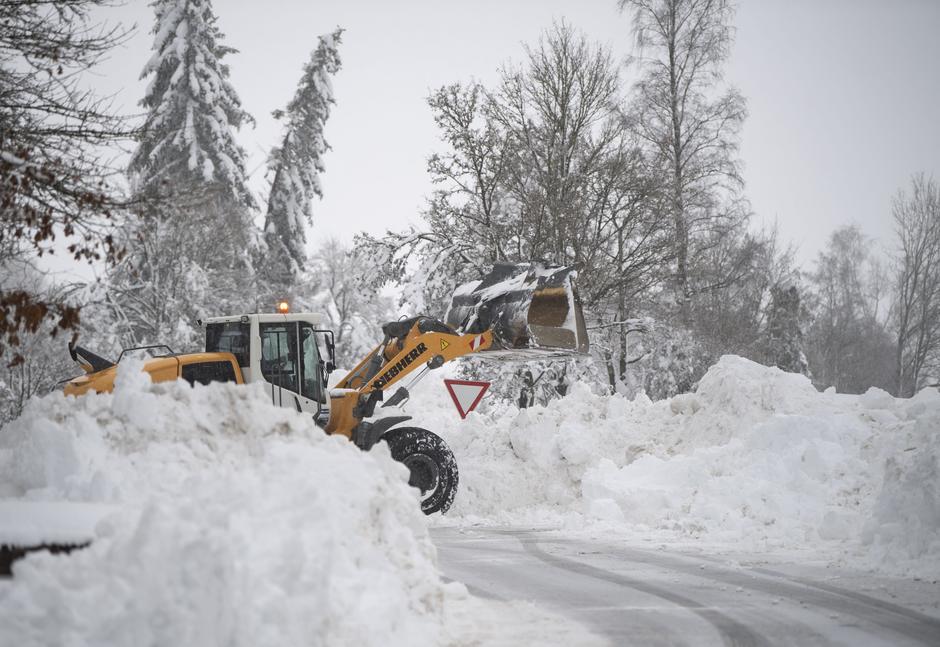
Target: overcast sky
<point>843,95</point>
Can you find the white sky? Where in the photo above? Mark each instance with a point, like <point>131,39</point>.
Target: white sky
<point>844,95</point>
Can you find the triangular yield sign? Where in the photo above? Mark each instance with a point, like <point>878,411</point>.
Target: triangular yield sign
<point>466,394</point>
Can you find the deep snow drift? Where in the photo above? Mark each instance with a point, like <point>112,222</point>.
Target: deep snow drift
<point>234,523</point>
<point>756,458</point>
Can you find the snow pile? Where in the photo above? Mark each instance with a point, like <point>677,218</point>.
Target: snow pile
<point>756,458</point>
<point>905,526</point>
<point>236,523</point>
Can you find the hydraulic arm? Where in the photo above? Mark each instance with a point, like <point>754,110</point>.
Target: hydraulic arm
<point>418,344</point>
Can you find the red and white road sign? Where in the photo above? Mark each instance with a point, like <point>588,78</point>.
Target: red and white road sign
<point>466,394</point>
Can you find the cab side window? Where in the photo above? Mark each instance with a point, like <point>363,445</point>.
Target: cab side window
<point>230,337</point>
<point>206,372</point>
<point>279,359</point>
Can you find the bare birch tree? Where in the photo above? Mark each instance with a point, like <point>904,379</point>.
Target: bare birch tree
<point>690,128</point>
<point>917,310</point>
<point>544,166</point>
<point>559,115</point>
<point>850,346</point>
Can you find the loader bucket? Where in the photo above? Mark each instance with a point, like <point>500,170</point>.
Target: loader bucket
<point>532,309</point>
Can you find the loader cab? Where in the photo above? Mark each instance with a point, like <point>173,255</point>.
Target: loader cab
<point>290,354</point>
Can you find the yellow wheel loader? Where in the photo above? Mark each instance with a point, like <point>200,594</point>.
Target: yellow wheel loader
<point>517,309</point>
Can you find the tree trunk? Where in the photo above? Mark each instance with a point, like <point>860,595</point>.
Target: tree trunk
<point>683,296</point>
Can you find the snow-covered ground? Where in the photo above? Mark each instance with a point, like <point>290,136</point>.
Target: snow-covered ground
<point>219,519</point>
<point>756,459</point>
<point>233,523</point>
<point>650,595</point>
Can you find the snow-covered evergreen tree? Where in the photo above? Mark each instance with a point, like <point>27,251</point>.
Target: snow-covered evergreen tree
<point>297,163</point>
<point>191,238</point>
<point>784,331</point>
<point>188,138</point>
<point>188,167</point>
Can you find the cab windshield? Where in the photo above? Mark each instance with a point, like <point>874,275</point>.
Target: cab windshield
<point>311,375</point>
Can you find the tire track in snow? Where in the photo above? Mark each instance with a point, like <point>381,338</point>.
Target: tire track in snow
<point>926,628</point>
<point>497,566</point>
<point>885,615</point>
<point>733,633</point>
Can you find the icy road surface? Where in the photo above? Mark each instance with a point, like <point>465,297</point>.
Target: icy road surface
<point>647,596</point>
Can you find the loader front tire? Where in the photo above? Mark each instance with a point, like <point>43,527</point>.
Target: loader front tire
<point>431,464</point>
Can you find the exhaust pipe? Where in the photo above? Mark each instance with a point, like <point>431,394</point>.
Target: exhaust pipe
<point>89,361</point>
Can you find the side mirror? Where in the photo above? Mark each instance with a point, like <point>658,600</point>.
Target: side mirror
<point>330,348</point>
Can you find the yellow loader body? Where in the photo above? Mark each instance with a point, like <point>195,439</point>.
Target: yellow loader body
<point>161,369</point>
<point>353,399</point>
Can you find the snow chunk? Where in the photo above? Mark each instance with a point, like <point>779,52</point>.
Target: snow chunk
<point>745,388</point>
<point>875,398</point>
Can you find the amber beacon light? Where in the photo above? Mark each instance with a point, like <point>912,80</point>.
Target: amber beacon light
<point>283,307</point>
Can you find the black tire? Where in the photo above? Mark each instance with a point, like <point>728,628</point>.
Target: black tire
<point>431,464</point>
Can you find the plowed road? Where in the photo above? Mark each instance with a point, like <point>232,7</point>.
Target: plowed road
<point>645,596</point>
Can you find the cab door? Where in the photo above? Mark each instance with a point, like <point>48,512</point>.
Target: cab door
<point>292,368</point>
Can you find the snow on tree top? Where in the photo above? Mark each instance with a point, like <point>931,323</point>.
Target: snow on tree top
<point>298,161</point>
<point>193,110</point>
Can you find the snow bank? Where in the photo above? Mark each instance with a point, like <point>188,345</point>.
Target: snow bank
<point>904,529</point>
<point>236,523</point>
<point>756,458</point>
